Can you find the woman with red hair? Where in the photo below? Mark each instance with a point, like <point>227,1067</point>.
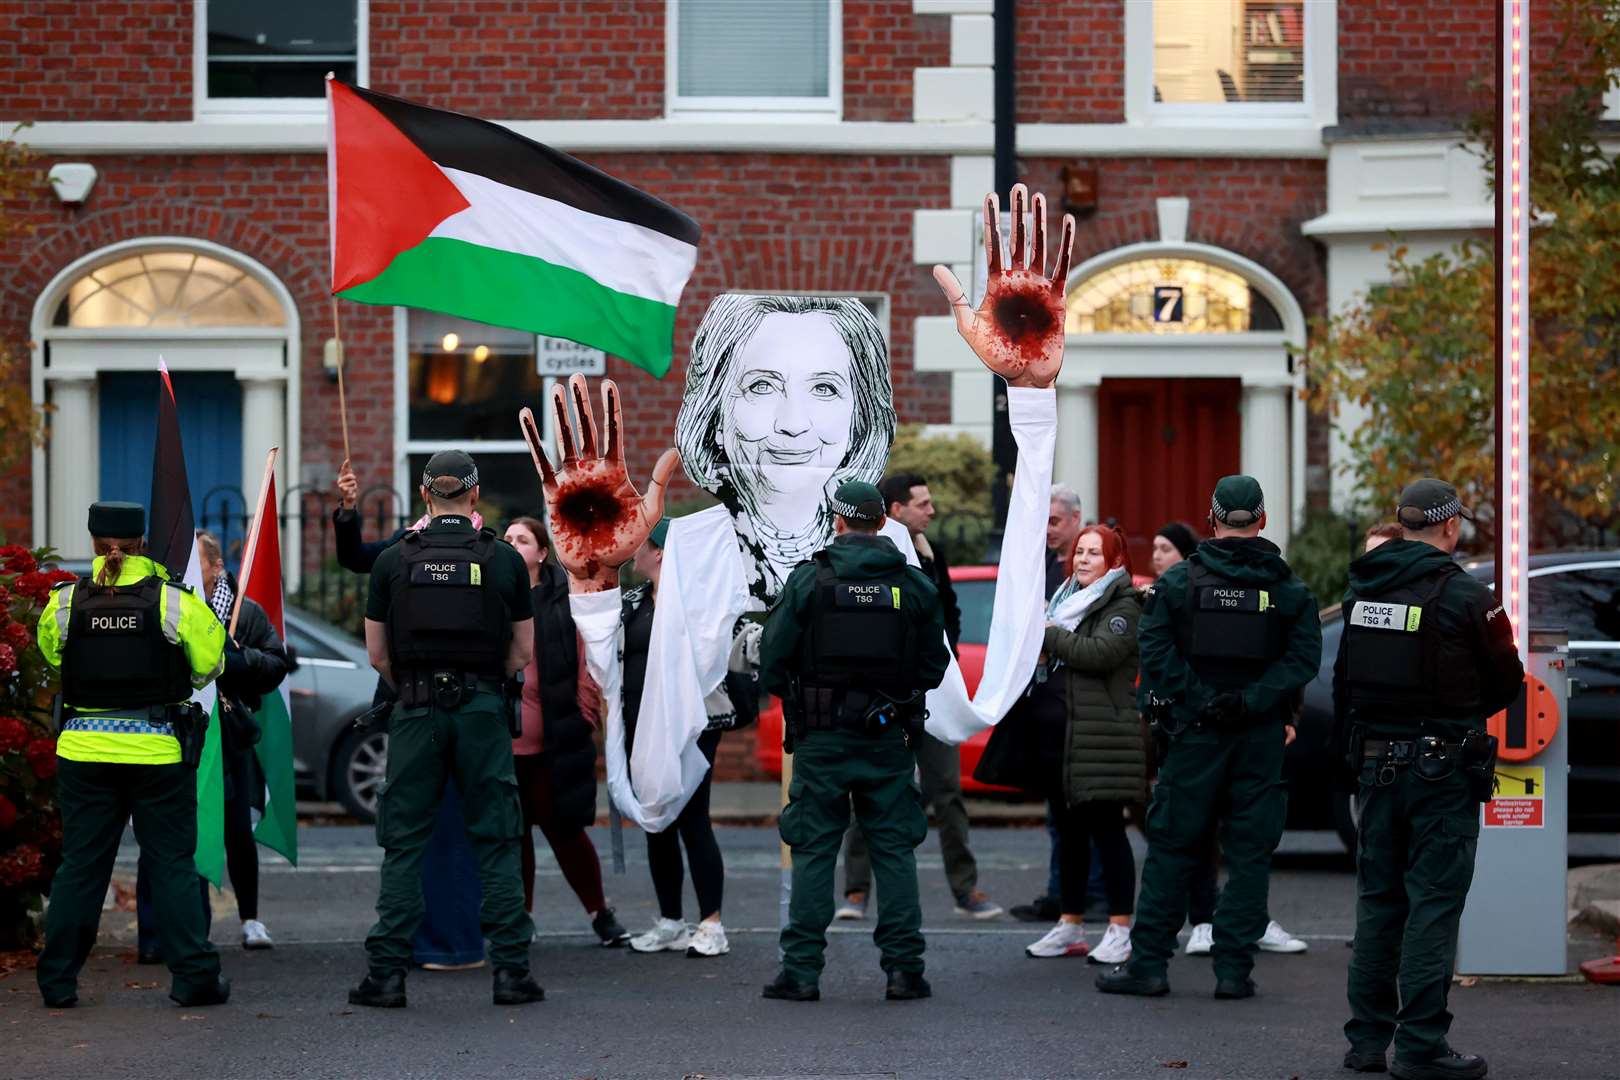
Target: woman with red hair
<point>1091,750</point>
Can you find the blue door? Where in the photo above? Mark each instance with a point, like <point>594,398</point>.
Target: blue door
<point>210,407</point>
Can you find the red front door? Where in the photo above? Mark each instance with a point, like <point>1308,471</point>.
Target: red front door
<point>1161,446</point>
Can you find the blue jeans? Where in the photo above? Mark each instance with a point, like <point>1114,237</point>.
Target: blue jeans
<point>451,893</point>
<point>1054,879</point>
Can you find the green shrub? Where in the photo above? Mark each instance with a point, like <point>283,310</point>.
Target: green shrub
<point>1320,553</point>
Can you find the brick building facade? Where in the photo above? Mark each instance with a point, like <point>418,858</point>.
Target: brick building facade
<point>1232,162</point>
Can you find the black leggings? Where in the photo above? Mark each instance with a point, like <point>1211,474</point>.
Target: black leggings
<point>702,850</point>
<point>1201,890</point>
<point>241,851</point>
<point>1077,827</point>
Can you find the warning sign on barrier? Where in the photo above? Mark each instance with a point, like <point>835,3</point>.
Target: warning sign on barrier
<point>1520,799</point>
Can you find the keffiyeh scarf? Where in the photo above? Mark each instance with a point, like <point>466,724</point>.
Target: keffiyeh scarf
<point>221,599</point>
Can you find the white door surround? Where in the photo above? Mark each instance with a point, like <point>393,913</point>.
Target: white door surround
<point>66,363</point>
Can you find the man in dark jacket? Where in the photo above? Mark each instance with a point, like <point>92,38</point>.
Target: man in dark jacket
<point>1228,637</point>
<point>1427,654</point>
<point>939,766</point>
<point>854,641</point>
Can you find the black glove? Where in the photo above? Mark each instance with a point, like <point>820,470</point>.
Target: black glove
<point>1222,709</point>
<point>236,662</point>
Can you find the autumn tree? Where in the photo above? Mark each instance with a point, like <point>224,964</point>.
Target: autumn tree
<point>20,418</point>
<point>1419,353</point>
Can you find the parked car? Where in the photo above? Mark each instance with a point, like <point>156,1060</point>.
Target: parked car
<point>1576,591</point>
<point>333,685</point>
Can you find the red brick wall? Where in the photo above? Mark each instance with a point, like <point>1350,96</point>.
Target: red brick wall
<point>1071,62</point>
<point>72,60</point>
<point>521,59</point>
<point>771,223</point>
<point>883,42</point>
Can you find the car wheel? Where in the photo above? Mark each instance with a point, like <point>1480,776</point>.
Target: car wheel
<point>358,770</point>
<point>1346,819</point>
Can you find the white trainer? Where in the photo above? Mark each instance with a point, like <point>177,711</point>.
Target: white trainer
<point>1064,939</point>
<point>1202,940</point>
<point>666,935</point>
<point>710,940</point>
<point>255,936</point>
<point>1276,939</point>
<point>852,908</point>
<point>1114,948</point>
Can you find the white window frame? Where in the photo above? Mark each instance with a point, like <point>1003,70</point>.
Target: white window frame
<point>1319,108</point>
<point>207,108</point>
<point>755,109</point>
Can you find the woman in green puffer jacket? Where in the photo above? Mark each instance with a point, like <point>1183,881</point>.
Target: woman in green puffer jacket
<point>1092,748</point>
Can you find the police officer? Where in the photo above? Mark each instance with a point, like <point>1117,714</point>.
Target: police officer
<point>855,640</point>
<point>448,622</point>
<point>131,646</point>
<point>1228,637</point>
<point>1427,654</point>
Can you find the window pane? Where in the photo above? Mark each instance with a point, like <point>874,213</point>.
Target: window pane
<point>285,49</point>
<point>508,486</point>
<point>1586,602</point>
<point>743,48</point>
<point>1213,51</point>
<point>1167,296</point>
<point>169,289</point>
<point>467,380</point>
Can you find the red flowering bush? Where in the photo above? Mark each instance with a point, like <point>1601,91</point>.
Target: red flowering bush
<point>30,823</point>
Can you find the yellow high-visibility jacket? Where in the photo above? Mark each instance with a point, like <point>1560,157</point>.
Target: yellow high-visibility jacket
<point>194,629</point>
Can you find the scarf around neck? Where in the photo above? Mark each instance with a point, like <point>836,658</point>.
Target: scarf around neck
<point>221,598</point>
<point>1071,602</point>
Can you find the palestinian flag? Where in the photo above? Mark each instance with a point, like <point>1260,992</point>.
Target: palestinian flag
<point>261,583</point>
<point>172,542</point>
<point>436,210</point>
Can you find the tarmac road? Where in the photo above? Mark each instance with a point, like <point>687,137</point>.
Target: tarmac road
<point>995,1012</point>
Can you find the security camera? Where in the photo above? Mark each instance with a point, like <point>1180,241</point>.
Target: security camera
<point>73,181</point>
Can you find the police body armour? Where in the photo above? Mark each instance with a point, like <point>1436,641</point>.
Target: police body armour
<point>444,614</point>
<point>118,655</point>
<point>1234,629</point>
<point>859,632</point>
<point>1391,659</point>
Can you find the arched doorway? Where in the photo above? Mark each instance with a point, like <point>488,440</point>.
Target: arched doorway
<point>1179,371</point>
<point>228,331</point>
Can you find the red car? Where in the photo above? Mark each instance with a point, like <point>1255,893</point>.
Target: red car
<point>976,593</point>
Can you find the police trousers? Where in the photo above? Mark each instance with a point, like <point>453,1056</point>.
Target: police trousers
<point>833,770</point>
<point>98,799</point>
<point>1414,863</point>
<point>1237,777</point>
<point>939,769</point>
<point>426,745</point>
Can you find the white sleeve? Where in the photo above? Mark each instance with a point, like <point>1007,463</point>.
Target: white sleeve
<point>1017,621</point>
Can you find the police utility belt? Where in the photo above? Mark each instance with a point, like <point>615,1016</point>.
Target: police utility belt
<point>1433,758</point>
<point>827,708</point>
<point>184,721</point>
<point>446,689</point>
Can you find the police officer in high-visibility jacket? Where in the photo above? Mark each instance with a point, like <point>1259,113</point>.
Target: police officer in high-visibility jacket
<point>1427,654</point>
<point>1228,637</point>
<point>448,622</point>
<point>131,646</point>
<point>854,641</point>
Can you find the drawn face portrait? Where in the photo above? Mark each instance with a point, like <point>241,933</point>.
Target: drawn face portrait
<point>786,426</point>
<point>786,398</point>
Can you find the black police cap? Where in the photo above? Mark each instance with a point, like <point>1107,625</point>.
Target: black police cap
<point>117,520</point>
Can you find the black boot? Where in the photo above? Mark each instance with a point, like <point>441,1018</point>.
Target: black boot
<point>607,927</point>
<point>1448,1066</point>
<point>217,994</point>
<point>907,986</point>
<point>516,987</point>
<point>67,1002</point>
<point>148,956</point>
<point>1234,989</point>
<point>786,988</point>
<point>1122,981</point>
<point>380,991</point>
<point>1043,909</point>
<point>1367,1061</point>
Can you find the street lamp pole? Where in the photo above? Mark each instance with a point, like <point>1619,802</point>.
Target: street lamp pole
<point>1003,451</point>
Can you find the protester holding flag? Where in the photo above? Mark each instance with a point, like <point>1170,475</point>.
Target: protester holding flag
<point>131,646</point>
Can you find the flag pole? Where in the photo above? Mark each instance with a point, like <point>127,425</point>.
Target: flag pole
<point>253,539</point>
<point>343,406</point>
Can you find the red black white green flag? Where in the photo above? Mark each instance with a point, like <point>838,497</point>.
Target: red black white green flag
<point>436,210</point>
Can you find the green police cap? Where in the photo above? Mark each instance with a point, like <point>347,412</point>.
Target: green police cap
<point>117,520</point>
<point>858,502</point>
<point>450,473</point>
<point>659,532</point>
<point>1428,502</point>
<point>1238,501</point>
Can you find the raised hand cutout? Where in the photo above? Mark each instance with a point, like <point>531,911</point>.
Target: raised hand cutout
<point>598,518</point>
<point>1017,330</point>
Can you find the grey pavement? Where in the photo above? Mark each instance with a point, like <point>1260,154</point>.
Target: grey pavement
<point>610,1013</point>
